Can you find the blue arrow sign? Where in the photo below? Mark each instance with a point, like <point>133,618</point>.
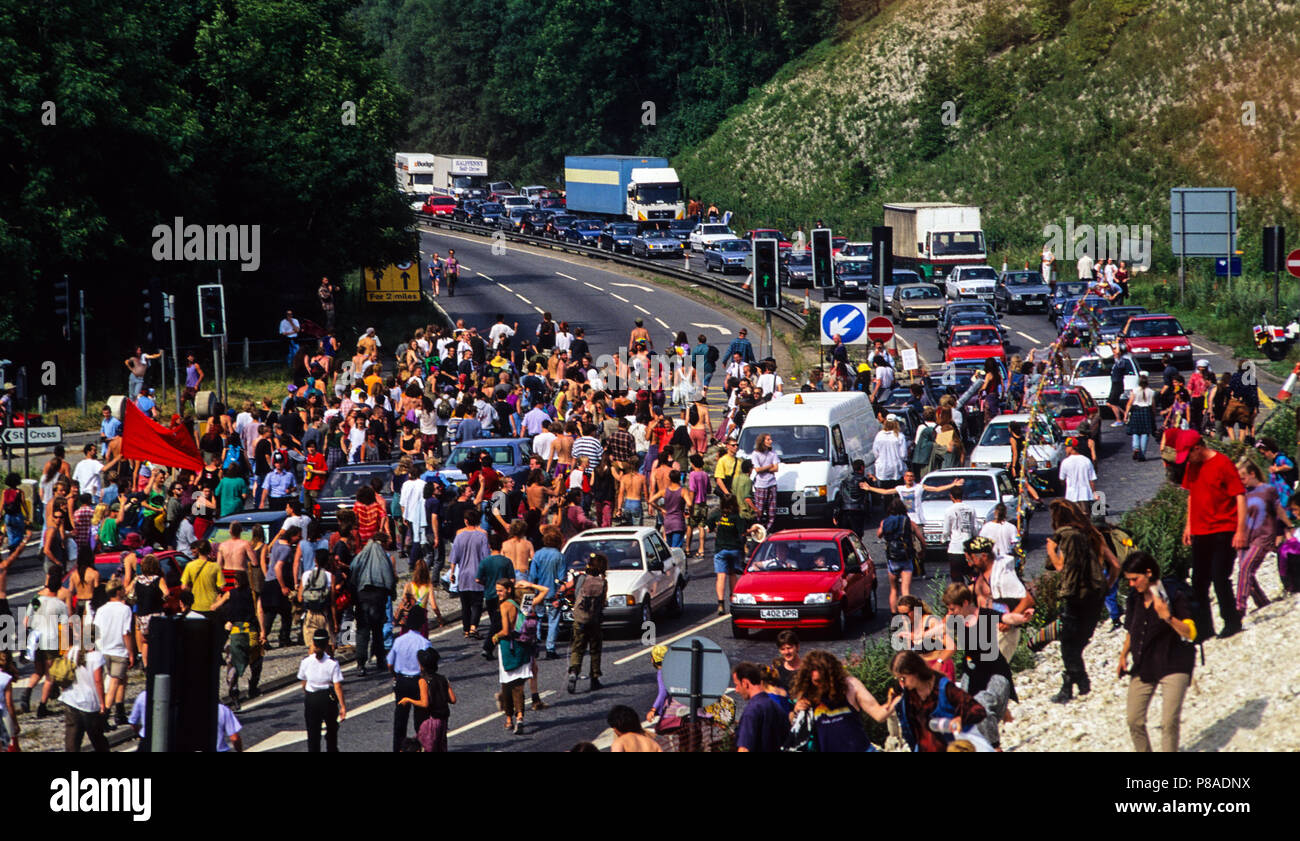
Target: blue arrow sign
<point>847,320</point>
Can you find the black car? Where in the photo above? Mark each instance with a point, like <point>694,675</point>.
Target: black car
<point>852,278</point>
<point>618,236</point>
<point>464,212</point>
<point>1021,290</point>
<point>681,228</point>
<point>534,221</point>
<point>797,271</point>
<point>965,308</point>
<point>488,213</point>
<point>1112,320</point>
<point>342,484</point>
<point>1065,291</point>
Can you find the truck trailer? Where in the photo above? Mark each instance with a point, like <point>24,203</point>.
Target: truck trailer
<point>643,189</point>
<point>932,237</point>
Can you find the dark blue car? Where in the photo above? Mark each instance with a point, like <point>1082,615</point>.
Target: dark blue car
<point>1077,315</point>
<point>1064,289</point>
<point>584,232</point>
<point>487,213</point>
<point>509,458</point>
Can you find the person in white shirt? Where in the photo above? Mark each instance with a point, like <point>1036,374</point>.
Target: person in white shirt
<point>412,501</point>
<point>542,443</point>
<point>1110,271</point>
<point>564,338</point>
<point>1048,259</point>
<point>115,639</point>
<point>501,329</point>
<point>958,527</point>
<point>890,450</point>
<point>1085,267</point>
<point>89,473</point>
<point>85,702</point>
<point>1003,534</point>
<point>1077,474</point>
<point>322,683</point>
<point>771,384</point>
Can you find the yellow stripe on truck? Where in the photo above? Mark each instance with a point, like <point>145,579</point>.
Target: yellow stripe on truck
<point>591,176</point>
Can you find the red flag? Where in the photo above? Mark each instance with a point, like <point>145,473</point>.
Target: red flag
<point>143,439</point>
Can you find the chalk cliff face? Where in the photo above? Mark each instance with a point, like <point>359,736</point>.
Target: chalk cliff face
<point>1245,698</point>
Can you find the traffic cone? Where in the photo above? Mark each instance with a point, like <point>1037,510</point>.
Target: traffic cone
<point>805,302</point>
<point>1284,394</point>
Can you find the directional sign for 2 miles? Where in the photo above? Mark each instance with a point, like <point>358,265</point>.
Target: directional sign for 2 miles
<point>848,321</point>
<point>37,436</point>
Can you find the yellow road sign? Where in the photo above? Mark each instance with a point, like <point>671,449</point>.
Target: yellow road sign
<point>400,282</point>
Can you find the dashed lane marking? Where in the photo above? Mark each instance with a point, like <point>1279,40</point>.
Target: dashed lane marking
<point>480,274</point>
<point>688,632</point>
<point>640,308</point>
<point>522,298</point>
<point>662,323</point>
<point>569,276</point>
<point>620,297</point>
<point>593,286</point>
<point>485,719</point>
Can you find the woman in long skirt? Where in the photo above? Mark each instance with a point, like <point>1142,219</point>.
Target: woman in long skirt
<point>1139,414</point>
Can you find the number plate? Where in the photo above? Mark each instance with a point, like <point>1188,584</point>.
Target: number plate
<point>781,512</point>
<point>929,317</point>
<point>778,613</point>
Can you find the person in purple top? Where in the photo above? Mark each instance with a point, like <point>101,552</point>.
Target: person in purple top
<point>697,483</point>
<point>469,548</point>
<point>674,500</point>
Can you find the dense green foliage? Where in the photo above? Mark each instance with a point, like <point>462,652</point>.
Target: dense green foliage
<point>227,113</point>
<point>525,82</point>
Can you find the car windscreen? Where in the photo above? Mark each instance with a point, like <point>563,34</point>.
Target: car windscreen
<point>1118,316</point>
<point>1154,327</point>
<point>859,250</point>
<point>714,229</point>
<point>1071,290</point>
<point>734,245</point>
<point>1059,401</point>
<point>621,552</point>
<point>587,225</point>
<point>796,556</point>
<point>1091,368</point>
<point>1024,279</point>
<point>973,488</point>
<point>978,274</point>
<point>901,277</point>
<point>501,456</point>
<point>964,338</point>
<point>624,230</point>
<point>342,483</point>
<point>996,435</point>
<point>791,443</point>
<point>490,207</point>
<point>804,259</point>
<point>853,267</point>
<point>922,292</point>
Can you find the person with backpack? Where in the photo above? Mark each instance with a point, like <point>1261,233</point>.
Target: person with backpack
<point>933,711</point>
<point>897,530</point>
<point>316,595</point>
<point>1083,586</point>
<point>704,357</point>
<point>436,696</point>
<point>241,613</point>
<point>515,642</point>
<point>589,589</point>
<point>1159,625</point>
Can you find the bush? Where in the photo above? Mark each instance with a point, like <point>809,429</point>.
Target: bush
<point>1157,527</point>
<point>870,665</point>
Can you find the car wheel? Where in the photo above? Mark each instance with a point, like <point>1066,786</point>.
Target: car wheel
<point>739,632</point>
<point>679,599</point>
<point>838,624</point>
<point>647,614</point>
<point>873,602</point>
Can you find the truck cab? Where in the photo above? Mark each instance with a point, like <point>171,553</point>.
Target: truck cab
<point>655,194</point>
<point>935,237</point>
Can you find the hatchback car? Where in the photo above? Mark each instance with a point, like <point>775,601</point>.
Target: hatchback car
<point>852,278</point>
<point>1071,406</point>
<point>727,255</point>
<point>982,489</point>
<point>854,251</point>
<point>1046,446</point>
<point>645,576</point>
<point>917,302</point>
<point>439,205</point>
<point>804,578</point>
<point>341,486</point>
<point>488,213</point>
<point>1092,374</point>
<point>974,342</point>
<point>1151,336</point>
<point>1064,291</point>
<point>584,232</point>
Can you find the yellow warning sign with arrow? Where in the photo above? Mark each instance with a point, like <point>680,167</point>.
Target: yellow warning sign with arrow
<point>399,282</point>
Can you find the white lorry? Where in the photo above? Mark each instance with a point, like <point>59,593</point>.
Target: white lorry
<point>460,176</point>
<point>932,237</point>
<point>415,173</point>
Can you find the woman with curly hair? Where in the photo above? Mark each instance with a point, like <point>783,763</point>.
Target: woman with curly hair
<point>827,702</point>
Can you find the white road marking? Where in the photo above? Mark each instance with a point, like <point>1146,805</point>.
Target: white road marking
<point>467,268</point>
<point>485,719</point>
<point>569,276</point>
<point>634,286</point>
<point>715,620</point>
<point>540,311</point>
<point>640,308</point>
<point>480,274</point>
<point>1027,336</point>
<point>522,298</point>
<point>1202,349</point>
<point>620,297</point>
<point>718,327</point>
<point>503,286</point>
<point>593,286</point>
<point>291,737</point>
<point>296,686</point>
<point>662,323</point>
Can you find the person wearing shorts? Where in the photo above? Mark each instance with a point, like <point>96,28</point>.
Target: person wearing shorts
<point>728,548</point>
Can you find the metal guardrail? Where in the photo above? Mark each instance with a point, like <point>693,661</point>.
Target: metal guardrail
<point>787,314</point>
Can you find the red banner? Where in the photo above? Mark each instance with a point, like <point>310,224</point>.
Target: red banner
<point>148,441</point>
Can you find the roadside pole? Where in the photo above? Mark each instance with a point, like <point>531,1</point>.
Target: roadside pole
<point>81,306</point>
<point>767,319</point>
<point>697,693</point>
<point>176,358</point>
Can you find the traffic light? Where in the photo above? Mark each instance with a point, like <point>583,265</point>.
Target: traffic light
<point>882,255</point>
<point>767,280</point>
<point>212,310</point>
<point>63,306</point>
<point>822,259</point>
<point>153,312</point>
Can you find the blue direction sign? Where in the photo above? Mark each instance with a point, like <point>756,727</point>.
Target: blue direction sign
<point>849,321</point>
<point>1220,266</point>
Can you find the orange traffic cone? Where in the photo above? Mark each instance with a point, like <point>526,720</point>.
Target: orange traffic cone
<point>1284,394</point>
<point>805,302</point>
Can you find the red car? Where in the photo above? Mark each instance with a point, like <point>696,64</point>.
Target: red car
<point>974,342</point>
<point>782,244</point>
<point>804,578</point>
<point>1073,405</point>
<point>837,243</point>
<point>1151,335</point>
<point>439,205</point>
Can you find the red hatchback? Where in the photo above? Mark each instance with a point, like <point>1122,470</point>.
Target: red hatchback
<point>1072,406</point>
<point>974,342</point>
<point>804,578</point>
<point>439,205</point>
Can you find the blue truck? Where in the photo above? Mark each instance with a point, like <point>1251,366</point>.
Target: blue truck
<point>643,189</point>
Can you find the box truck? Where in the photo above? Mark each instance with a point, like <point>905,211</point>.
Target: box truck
<point>643,189</point>
<point>415,173</point>
<point>460,176</point>
<point>932,237</point>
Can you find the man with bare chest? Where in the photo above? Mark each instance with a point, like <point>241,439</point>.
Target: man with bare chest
<point>234,555</point>
<point>518,548</point>
<point>631,496</point>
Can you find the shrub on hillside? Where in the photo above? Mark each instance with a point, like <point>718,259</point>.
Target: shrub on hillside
<point>1157,527</point>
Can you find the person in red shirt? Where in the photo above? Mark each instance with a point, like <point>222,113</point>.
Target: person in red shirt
<point>1215,527</point>
<point>313,481</point>
<point>371,512</point>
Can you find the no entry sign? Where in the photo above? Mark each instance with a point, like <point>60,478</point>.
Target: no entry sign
<point>1293,263</point>
<point>880,329</point>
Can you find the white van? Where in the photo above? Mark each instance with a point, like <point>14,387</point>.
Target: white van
<point>817,435</point>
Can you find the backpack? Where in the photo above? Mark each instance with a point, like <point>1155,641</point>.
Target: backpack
<point>315,596</point>
<point>546,335</point>
<point>1120,542</point>
<point>924,446</point>
<point>63,672</point>
<point>442,408</point>
<point>1083,583</point>
<point>1175,586</point>
<point>526,626</point>
<point>711,355</point>
<point>897,546</point>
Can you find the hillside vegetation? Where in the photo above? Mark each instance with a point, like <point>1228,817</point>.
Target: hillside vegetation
<point>1091,109</point>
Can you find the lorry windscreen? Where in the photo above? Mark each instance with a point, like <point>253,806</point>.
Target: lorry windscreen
<point>957,242</point>
<point>658,193</point>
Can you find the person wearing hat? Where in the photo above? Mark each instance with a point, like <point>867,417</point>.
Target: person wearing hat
<point>1215,527</point>
<point>322,681</point>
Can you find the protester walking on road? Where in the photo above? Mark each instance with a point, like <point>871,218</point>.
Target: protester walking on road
<point>1216,525</point>
<point>766,464</point>
<point>403,662</point>
<point>322,680</point>
<point>589,591</point>
<point>1265,519</point>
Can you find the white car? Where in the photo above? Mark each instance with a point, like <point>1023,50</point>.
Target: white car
<point>1092,374</point>
<point>971,282</point>
<point>982,488</point>
<point>707,233</point>
<point>645,576</point>
<point>533,191</point>
<point>854,251</point>
<point>994,447</point>
<point>512,202</point>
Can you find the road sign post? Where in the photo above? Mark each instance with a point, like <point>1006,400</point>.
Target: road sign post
<point>698,668</point>
<point>1275,256</point>
<point>1202,223</point>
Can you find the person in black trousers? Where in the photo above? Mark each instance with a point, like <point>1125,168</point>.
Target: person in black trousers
<point>322,681</point>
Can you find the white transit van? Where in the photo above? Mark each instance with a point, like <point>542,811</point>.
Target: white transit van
<point>817,435</point>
